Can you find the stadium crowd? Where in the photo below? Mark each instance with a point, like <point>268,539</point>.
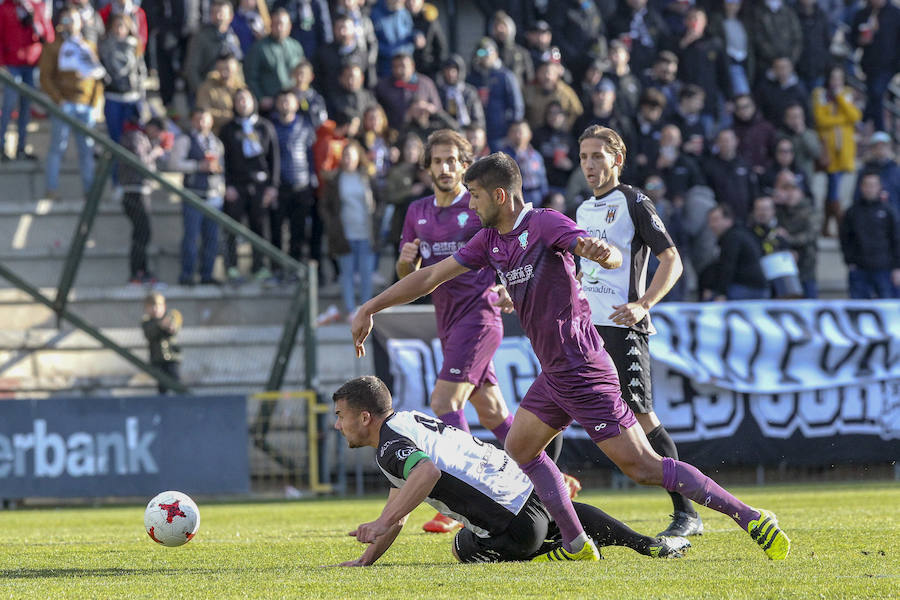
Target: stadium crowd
<point>308,117</point>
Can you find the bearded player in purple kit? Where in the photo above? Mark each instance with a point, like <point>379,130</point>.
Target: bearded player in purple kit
<point>532,250</point>
<point>468,308</point>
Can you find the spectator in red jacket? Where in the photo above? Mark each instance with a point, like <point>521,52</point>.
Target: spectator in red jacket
<point>25,27</point>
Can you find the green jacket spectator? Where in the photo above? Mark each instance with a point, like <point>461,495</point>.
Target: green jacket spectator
<point>271,60</point>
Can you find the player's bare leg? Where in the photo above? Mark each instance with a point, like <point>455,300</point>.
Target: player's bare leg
<point>631,452</point>
<point>525,444</point>
<point>685,520</point>
<point>488,402</point>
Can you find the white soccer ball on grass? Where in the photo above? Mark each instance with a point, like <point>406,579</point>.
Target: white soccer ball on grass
<point>171,518</point>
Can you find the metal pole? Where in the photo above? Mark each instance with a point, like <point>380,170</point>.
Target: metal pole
<point>82,231</point>
<point>311,356</point>
<point>296,313</point>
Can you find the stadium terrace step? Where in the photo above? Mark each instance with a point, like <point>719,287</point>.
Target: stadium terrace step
<point>51,224</point>
<point>831,272</point>
<point>99,266</point>
<point>223,359</point>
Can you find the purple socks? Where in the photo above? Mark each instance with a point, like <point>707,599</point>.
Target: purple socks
<point>502,429</point>
<point>691,483</point>
<point>456,418</point>
<point>551,489</point>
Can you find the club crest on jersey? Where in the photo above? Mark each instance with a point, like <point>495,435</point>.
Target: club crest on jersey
<point>425,250</point>
<point>403,453</point>
<point>523,239</point>
<point>611,213</point>
<point>462,218</point>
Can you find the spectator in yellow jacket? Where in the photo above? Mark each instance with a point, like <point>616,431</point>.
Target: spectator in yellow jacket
<point>836,116</point>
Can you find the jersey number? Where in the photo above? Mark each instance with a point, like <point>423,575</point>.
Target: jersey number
<point>431,424</point>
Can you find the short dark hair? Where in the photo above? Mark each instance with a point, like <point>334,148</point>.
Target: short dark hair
<point>366,393</point>
<point>448,137</point>
<point>726,210</point>
<point>690,90</point>
<point>652,97</point>
<point>870,172</point>
<point>610,138</point>
<point>497,170</point>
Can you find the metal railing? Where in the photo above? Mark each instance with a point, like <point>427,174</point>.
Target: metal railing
<point>303,306</point>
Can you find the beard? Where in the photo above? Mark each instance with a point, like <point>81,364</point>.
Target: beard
<point>444,186</point>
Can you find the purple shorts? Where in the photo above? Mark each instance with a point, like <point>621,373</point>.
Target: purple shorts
<point>468,353</point>
<point>590,396</point>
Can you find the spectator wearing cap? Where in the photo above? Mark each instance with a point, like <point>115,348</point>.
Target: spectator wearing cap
<point>211,41</point>
<point>429,38</point>
<point>71,74</point>
<point>870,242</point>
<point>602,111</point>
<point>538,39</point>
<point>548,87</point>
<point>312,23</point>
<point>800,224</point>
<point>25,26</point>
<point>404,85</point>
<point>663,76</point>
<point>836,117</point>
<point>345,50</point>
<point>807,145</point>
<point>499,91</point>
<point>531,163</point>
<point>558,147</point>
<point>460,99</point>
<point>729,26</point>
<point>578,28</point>
<point>816,28</point>
<point>350,96</point>
<point>779,88</point>
<point>702,61</point>
<point>395,32</point>
<point>756,136</point>
<point>732,180</point>
<point>628,86</point>
<point>514,57</point>
<point>216,94</point>
<point>775,31</point>
<point>876,29</point>
<point>364,31</point>
<point>642,29</point>
<point>269,65</point>
<point>882,161</point>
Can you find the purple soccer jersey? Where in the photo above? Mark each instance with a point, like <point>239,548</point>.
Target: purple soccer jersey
<point>535,264</point>
<point>442,231</point>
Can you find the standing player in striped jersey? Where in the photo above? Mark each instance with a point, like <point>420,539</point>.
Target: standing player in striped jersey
<point>620,298</point>
<point>468,308</point>
<point>532,249</point>
<point>426,460</point>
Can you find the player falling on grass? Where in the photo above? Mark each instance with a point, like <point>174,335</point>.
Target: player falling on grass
<point>620,299</point>
<point>468,308</point>
<point>426,460</point>
<point>532,250</point>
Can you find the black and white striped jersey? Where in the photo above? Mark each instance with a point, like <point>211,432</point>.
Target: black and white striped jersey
<point>480,485</point>
<point>626,218</point>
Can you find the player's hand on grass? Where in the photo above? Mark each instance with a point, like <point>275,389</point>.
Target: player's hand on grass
<point>369,532</point>
<point>361,327</point>
<point>410,251</point>
<point>628,314</point>
<point>503,299</point>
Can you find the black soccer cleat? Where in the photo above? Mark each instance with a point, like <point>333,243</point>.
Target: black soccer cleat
<point>683,524</point>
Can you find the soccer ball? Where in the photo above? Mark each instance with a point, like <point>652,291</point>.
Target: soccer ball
<point>171,518</point>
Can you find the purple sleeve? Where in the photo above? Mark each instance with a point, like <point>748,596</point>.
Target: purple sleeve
<point>409,226</point>
<point>559,231</point>
<point>474,255</point>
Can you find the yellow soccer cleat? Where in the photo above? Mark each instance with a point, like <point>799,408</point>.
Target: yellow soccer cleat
<point>765,532</point>
<point>588,552</point>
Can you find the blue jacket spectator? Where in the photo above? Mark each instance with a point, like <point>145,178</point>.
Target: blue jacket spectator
<point>395,32</point>
<point>499,91</point>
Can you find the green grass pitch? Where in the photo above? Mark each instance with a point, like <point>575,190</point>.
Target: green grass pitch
<point>845,545</point>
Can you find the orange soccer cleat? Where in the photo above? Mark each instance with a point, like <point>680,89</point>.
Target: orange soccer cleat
<point>441,524</point>
<point>574,485</point>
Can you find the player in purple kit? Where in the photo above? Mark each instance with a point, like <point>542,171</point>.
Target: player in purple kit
<point>532,250</point>
<point>468,308</point>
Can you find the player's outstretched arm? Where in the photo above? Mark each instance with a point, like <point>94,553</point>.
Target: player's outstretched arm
<point>599,251</point>
<point>415,285</point>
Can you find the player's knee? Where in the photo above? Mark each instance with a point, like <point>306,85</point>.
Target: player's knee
<point>441,405</point>
<point>643,472</point>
